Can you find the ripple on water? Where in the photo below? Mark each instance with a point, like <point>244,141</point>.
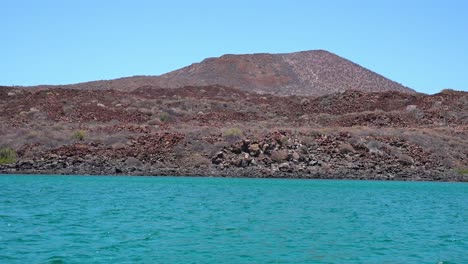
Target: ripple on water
<point>56,260</point>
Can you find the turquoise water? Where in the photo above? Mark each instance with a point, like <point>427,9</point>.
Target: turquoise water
<point>63,219</point>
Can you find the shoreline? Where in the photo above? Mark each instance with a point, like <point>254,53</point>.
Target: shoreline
<point>254,173</point>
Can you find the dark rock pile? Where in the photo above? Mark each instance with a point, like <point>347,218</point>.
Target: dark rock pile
<point>318,155</point>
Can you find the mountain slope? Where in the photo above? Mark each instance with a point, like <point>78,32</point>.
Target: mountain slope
<point>302,73</point>
<point>313,73</point>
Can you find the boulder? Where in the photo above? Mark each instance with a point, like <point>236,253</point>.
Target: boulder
<point>216,161</point>
<point>236,149</point>
<point>244,163</point>
<point>236,162</point>
<point>411,107</point>
<point>254,150</point>
<point>240,162</point>
<point>296,156</point>
<point>284,166</point>
<point>405,160</point>
<point>245,145</point>
<point>279,155</point>
<point>220,155</point>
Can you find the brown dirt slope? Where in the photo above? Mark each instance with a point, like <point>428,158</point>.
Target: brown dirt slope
<point>315,72</point>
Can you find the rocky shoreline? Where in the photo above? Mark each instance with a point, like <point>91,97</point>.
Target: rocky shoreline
<point>226,132</point>
<point>276,155</point>
<point>112,170</point>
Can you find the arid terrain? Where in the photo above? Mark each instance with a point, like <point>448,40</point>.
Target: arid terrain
<point>309,73</point>
<point>344,123</point>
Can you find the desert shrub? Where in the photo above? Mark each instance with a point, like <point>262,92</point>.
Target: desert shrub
<point>197,146</point>
<point>164,117</point>
<point>154,122</point>
<point>345,148</point>
<point>314,133</point>
<point>417,114</point>
<point>373,144</point>
<point>7,155</point>
<point>308,140</point>
<point>233,134</point>
<point>323,118</point>
<point>79,135</point>
<point>356,141</point>
<point>145,111</point>
<point>375,147</point>
<point>179,151</point>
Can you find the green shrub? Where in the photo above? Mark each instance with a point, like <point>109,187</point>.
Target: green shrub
<point>232,135</point>
<point>463,171</point>
<point>7,155</point>
<point>232,132</point>
<point>164,117</point>
<point>79,135</point>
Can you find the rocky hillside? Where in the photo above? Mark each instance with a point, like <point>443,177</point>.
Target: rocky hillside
<point>221,131</point>
<point>311,73</point>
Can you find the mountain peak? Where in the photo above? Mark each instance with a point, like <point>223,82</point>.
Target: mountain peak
<point>314,72</point>
<point>303,73</point>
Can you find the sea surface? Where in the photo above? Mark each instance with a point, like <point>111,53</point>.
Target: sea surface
<point>109,219</point>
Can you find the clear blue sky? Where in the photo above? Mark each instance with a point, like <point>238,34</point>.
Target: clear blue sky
<point>421,44</point>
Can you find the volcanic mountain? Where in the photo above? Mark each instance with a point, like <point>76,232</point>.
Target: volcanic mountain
<point>313,73</point>
<point>300,115</point>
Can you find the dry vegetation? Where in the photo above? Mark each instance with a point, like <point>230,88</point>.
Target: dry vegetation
<point>184,131</point>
